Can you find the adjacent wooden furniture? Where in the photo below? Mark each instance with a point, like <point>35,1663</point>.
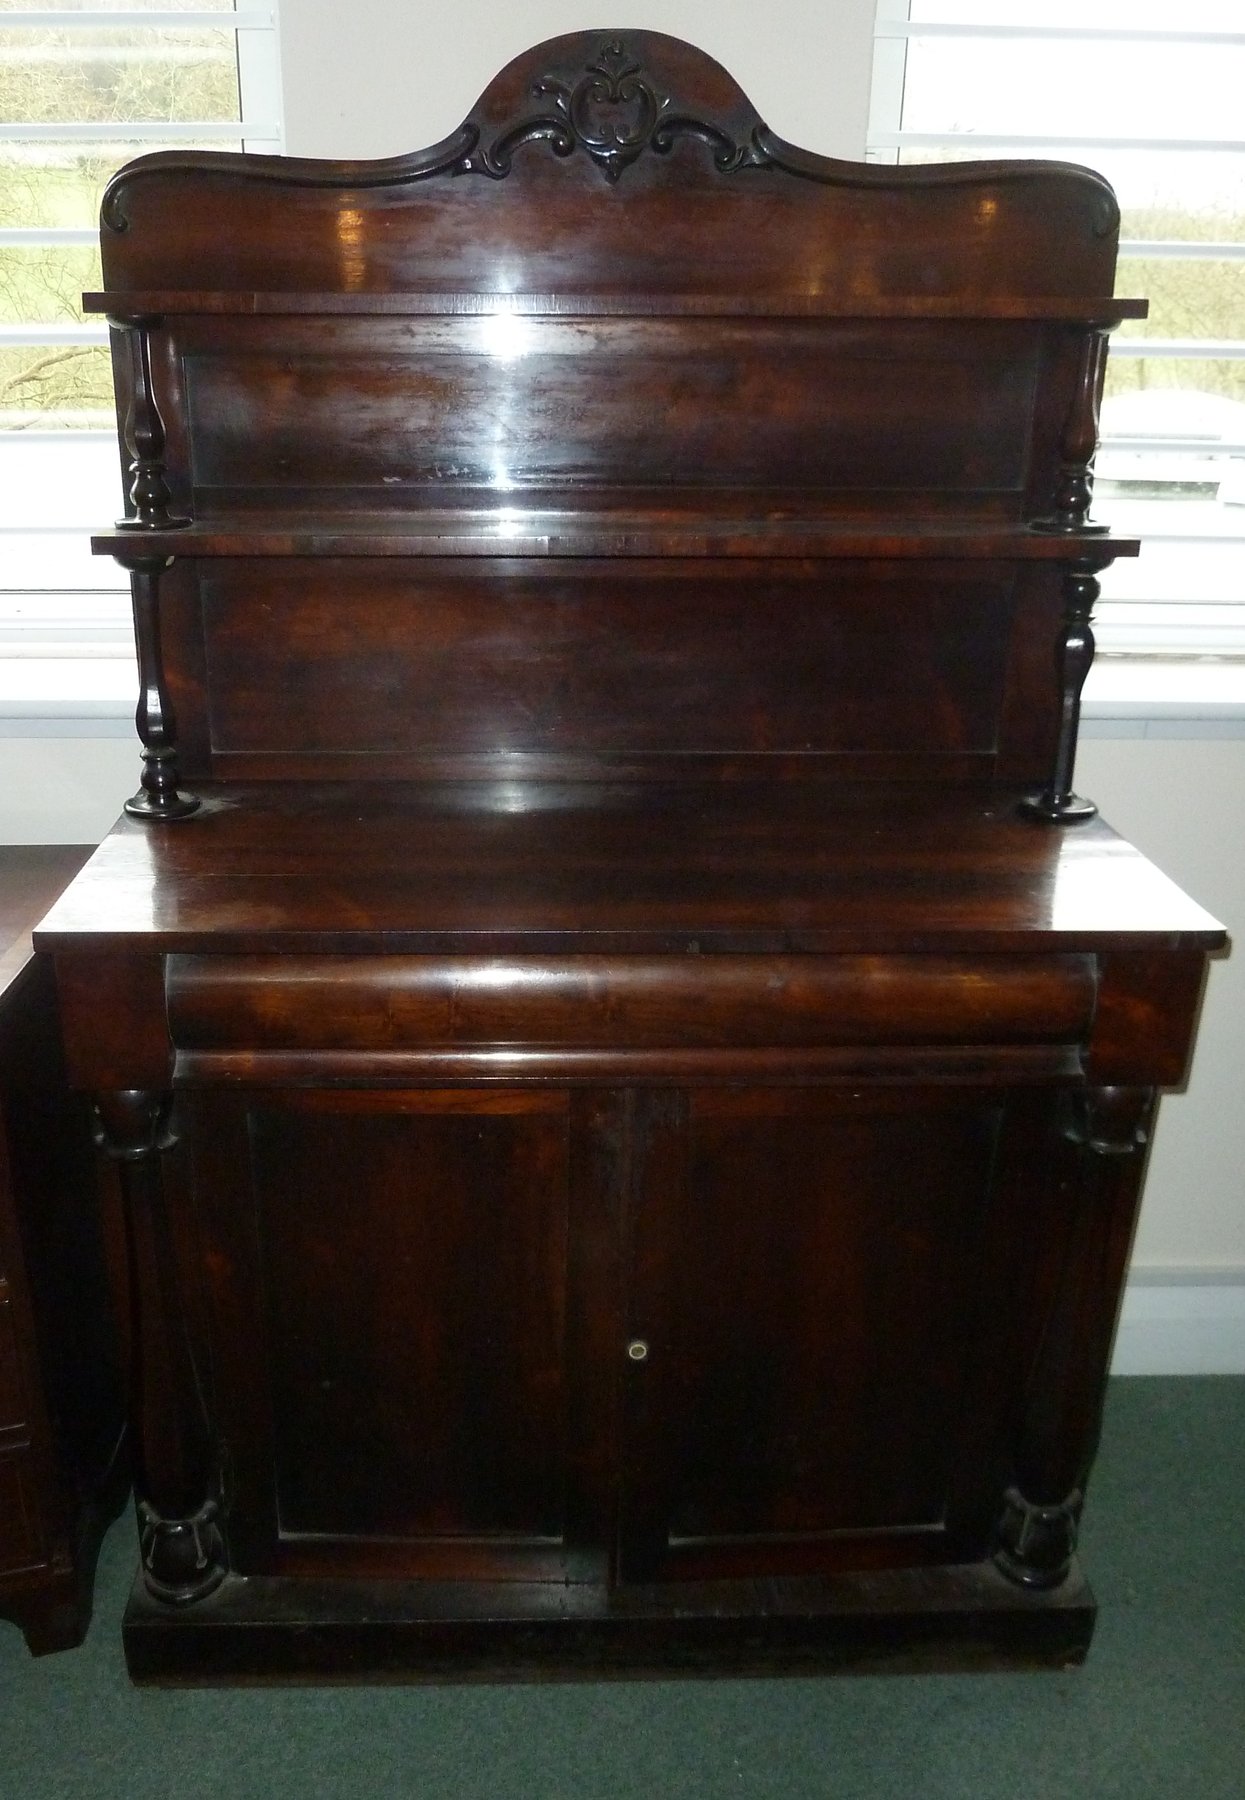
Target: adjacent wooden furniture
<point>630,1062</point>
<point>62,1470</point>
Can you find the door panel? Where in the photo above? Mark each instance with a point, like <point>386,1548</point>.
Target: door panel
<point>414,1285</point>
<point>391,1275</point>
<point>808,1280</point>
<point>538,1336</point>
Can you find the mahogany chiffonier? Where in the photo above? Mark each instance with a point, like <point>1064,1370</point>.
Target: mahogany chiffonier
<point>629,1062</point>
<point>62,1466</point>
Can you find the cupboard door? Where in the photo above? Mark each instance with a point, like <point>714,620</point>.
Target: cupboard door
<point>394,1327</point>
<point>821,1339</point>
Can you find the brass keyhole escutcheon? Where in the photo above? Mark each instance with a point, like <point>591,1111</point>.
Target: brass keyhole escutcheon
<point>637,1350</point>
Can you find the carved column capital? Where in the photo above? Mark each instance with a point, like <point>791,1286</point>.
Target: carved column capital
<point>1111,1121</point>
<point>132,1123</point>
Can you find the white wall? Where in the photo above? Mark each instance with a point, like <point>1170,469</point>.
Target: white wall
<point>382,76</point>
<point>1183,803</point>
<point>64,790</point>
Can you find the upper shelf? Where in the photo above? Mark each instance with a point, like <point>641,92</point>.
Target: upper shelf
<point>589,531</point>
<point>153,303</point>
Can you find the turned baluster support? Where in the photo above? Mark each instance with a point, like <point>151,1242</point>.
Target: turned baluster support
<point>158,796</point>
<point>176,1486</point>
<point>1075,655</point>
<point>1074,487</point>
<point>1037,1531</point>
<point>143,435</point>
<point>1074,484</point>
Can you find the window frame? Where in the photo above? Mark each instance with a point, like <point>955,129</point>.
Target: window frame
<point>1163,629</point>
<point>67,653</point>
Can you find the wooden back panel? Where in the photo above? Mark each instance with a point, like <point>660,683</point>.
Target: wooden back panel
<point>315,666</point>
<point>347,414</point>
<point>611,315</point>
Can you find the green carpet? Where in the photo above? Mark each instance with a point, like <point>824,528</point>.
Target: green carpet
<point>1158,1710</point>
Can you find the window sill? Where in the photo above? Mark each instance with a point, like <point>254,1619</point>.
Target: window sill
<point>67,696</point>
<point>1145,697</point>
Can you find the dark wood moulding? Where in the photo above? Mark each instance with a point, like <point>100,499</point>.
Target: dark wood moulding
<point>1103,310</point>
<point>513,530</point>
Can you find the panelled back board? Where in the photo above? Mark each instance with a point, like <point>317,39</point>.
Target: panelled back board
<point>614,317</point>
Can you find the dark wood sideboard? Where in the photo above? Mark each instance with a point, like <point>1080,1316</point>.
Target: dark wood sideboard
<point>630,1063</point>
<point>62,1466</point>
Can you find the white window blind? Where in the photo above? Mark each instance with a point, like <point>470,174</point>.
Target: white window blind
<point>1150,94</point>
<point>83,88</point>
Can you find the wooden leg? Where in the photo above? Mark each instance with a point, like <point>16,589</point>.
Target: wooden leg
<point>175,1478</point>
<point>1063,1413</point>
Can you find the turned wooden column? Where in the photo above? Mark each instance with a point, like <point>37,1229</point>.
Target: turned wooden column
<point>175,1475</point>
<point>143,433</point>
<point>1109,1127</point>
<point>149,496</point>
<point>158,796</point>
<point>1074,659</point>
<point>1069,512</point>
<point>1074,484</point>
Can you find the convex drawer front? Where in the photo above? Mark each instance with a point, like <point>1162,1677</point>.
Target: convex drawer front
<point>616,1334</point>
<point>271,1003</point>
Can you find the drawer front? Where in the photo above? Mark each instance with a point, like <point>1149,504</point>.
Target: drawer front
<point>218,1003</point>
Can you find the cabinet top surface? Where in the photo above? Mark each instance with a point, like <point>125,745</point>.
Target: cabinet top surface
<point>499,868</point>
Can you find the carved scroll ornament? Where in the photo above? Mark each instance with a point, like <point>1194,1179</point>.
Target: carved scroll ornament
<point>613,113</point>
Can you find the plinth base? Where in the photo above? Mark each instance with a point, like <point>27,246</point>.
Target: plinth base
<point>964,1617</point>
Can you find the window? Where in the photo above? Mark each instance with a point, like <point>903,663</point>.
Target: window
<point>83,88</point>
<point>1150,94</point>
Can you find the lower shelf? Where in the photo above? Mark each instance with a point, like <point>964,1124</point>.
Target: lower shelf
<point>965,1617</point>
